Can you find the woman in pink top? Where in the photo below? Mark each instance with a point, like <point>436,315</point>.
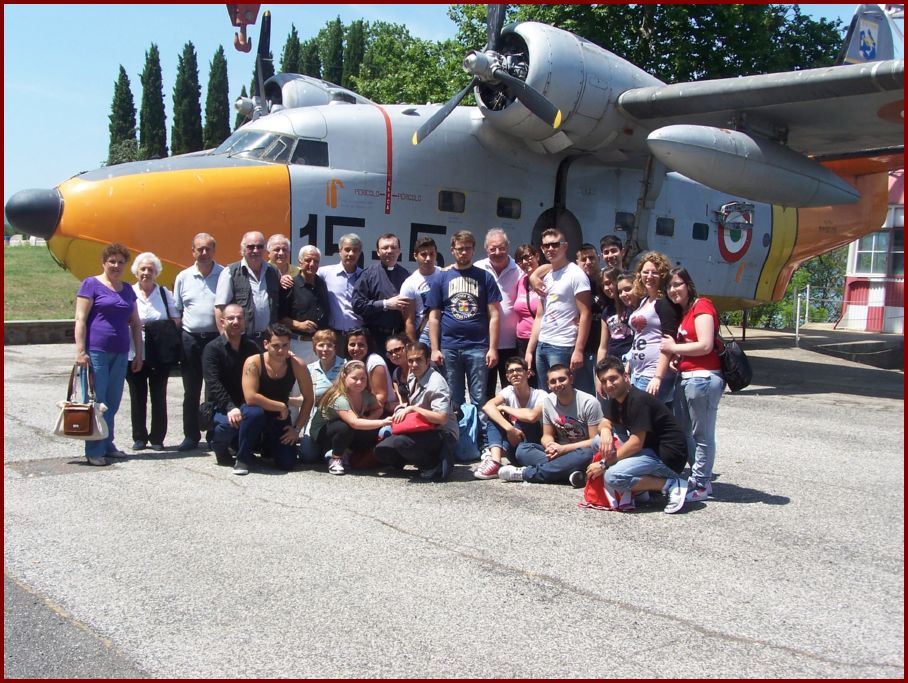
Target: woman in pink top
<point>527,300</point>
<point>700,384</point>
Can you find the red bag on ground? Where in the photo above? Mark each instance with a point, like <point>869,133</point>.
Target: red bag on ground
<point>597,495</point>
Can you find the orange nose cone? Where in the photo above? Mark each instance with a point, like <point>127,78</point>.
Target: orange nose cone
<point>161,212</point>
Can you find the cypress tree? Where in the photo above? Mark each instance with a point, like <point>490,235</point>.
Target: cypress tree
<point>186,134</point>
<point>152,120</point>
<point>291,57</point>
<point>217,102</point>
<point>122,123</point>
<point>333,51</point>
<point>311,64</point>
<point>240,119</point>
<point>354,50</point>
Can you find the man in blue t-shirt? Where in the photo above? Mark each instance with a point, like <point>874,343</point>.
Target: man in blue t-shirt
<point>465,305</point>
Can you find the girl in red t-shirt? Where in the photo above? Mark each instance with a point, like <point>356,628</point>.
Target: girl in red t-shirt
<point>700,384</point>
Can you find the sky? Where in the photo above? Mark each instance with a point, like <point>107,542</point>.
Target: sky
<point>60,64</point>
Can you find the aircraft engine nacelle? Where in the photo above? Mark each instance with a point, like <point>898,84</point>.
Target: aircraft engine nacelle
<point>748,166</point>
<point>289,91</point>
<point>580,78</point>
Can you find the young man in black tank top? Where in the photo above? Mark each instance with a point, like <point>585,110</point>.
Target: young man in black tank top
<point>267,380</point>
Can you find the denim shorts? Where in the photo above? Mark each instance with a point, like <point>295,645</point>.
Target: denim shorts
<point>626,473</point>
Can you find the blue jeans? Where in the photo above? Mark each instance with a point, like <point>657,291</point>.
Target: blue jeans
<point>696,407</point>
<point>260,425</point>
<point>666,388</point>
<point>469,364</point>
<point>538,469</point>
<point>494,436</point>
<point>548,355</point>
<point>109,371</point>
<point>583,376</point>
<point>223,435</point>
<point>625,474</point>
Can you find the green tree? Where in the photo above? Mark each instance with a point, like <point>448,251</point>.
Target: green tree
<point>310,62</point>
<point>152,120</point>
<point>122,121</point>
<point>398,67</point>
<point>354,50</point>
<point>291,56</point>
<point>332,51</point>
<point>186,134</point>
<point>240,119</point>
<point>217,102</point>
<point>682,42</point>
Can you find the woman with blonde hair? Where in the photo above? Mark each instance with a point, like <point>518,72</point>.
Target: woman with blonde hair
<point>347,417</point>
<point>648,365</point>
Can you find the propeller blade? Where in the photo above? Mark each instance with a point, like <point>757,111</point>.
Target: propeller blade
<point>423,132</point>
<point>262,54</point>
<point>531,98</point>
<point>494,22</point>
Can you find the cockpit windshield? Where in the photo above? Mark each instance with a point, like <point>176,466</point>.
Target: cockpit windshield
<point>274,147</point>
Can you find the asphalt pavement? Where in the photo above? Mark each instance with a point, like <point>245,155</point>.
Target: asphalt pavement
<point>166,565</point>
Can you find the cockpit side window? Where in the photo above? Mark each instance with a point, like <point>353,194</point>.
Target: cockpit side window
<point>310,153</point>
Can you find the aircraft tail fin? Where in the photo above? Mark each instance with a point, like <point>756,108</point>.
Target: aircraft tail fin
<point>869,37</point>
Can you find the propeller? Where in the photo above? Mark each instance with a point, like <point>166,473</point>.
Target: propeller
<point>503,74</point>
<point>258,95</point>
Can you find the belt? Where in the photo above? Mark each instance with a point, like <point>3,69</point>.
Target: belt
<point>203,335</point>
<point>690,374</point>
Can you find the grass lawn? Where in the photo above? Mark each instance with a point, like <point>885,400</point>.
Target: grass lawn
<point>35,287</point>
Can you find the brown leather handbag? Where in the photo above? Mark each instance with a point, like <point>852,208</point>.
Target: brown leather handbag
<point>78,420</point>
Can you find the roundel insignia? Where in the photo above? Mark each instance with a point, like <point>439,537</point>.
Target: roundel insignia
<point>735,230</point>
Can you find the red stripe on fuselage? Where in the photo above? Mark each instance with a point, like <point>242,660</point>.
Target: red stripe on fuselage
<point>388,144</point>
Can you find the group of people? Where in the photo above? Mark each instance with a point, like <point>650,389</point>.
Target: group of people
<point>313,363</point>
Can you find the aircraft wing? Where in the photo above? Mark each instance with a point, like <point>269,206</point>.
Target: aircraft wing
<point>827,113</point>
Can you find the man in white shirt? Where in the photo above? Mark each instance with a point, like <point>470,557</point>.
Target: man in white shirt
<point>563,320</point>
<point>507,276</point>
<point>416,289</point>
<point>193,297</point>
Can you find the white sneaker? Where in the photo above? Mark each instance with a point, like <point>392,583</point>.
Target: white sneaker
<point>336,466</point>
<point>676,490</point>
<point>240,469</point>
<point>696,493</point>
<point>510,473</point>
<point>486,453</point>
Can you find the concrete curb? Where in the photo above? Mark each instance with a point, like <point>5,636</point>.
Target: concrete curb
<point>18,332</point>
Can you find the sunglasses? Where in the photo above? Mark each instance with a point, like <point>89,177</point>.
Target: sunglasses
<point>551,245</point>
<point>255,247</point>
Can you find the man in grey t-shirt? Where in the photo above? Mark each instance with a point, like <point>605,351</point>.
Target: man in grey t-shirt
<point>570,426</point>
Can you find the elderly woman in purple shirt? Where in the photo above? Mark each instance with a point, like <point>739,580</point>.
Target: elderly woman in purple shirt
<point>106,317</point>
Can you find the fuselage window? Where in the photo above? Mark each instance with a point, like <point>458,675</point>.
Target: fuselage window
<point>454,202</point>
<point>665,227</point>
<point>508,208</point>
<point>624,221</point>
<point>701,231</point>
<point>310,153</point>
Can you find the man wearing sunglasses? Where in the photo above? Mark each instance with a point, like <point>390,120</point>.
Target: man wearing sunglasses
<point>252,283</point>
<point>562,322</point>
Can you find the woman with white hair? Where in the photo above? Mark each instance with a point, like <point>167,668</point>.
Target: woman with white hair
<point>154,303</point>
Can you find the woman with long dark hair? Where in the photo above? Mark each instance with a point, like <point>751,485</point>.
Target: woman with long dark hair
<point>700,384</point>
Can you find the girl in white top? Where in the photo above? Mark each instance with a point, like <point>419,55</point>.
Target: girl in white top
<point>655,316</point>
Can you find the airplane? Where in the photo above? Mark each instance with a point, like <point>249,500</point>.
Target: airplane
<point>738,179</point>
